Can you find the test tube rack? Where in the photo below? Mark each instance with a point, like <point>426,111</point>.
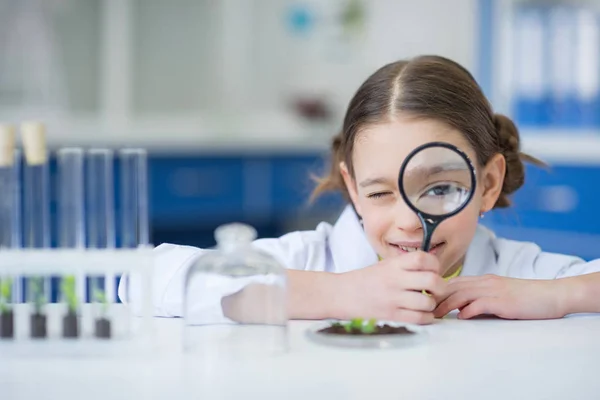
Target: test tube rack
<point>85,260</point>
<point>130,322</point>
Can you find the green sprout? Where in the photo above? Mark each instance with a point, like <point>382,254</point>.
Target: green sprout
<point>100,297</point>
<point>5,294</point>
<point>68,291</point>
<point>370,326</point>
<point>359,325</point>
<point>356,324</point>
<point>37,292</point>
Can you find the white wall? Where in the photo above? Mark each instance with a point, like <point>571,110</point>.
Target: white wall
<point>214,67</point>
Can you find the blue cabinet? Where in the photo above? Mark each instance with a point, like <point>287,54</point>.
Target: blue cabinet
<point>195,190</point>
<point>556,208</point>
<point>190,195</point>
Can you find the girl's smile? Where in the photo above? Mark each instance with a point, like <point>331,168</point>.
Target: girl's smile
<point>408,247</point>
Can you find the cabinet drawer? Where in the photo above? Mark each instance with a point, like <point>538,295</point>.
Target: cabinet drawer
<point>192,190</point>
<point>562,198</point>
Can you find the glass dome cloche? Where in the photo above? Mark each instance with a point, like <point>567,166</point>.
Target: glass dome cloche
<point>235,297</point>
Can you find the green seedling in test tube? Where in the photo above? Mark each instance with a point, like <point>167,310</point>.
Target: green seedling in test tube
<point>37,288</point>
<point>68,291</point>
<point>5,295</point>
<point>103,326</point>
<point>7,323</point>
<point>100,297</point>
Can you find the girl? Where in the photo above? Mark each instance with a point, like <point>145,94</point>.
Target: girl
<point>368,263</point>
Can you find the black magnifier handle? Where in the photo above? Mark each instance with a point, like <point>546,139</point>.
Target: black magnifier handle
<point>429,224</point>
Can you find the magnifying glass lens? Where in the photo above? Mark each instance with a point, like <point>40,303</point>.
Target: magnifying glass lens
<point>437,181</point>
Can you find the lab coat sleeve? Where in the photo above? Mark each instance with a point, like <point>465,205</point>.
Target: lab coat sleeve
<point>301,250</point>
<point>169,266</point>
<point>527,261</point>
<point>298,250</point>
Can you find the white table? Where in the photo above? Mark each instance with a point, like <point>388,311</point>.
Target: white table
<point>479,359</point>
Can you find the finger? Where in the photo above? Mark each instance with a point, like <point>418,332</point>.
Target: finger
<point>464,279</point>
<point>467,283</point>
<point>458,300</point>
<point>481,306</point>
<point>480,282</point>
<point>470,280</point>
<point>411,300</point>
<point>420,281</point>
<point>449,291</point>
<point>412,317</point>
<point>418,261</point>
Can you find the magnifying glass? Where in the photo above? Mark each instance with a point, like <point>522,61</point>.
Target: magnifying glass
<point>437,181</point>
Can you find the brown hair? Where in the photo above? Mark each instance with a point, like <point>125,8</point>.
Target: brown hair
<point>430,87</point>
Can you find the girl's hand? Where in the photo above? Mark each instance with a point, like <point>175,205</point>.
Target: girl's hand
<point>391,290</point>
<point>508,298</point>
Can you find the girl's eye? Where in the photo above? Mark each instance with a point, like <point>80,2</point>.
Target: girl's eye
<point>439,190</point>
<point>378,195</point>
<point>445,189</point>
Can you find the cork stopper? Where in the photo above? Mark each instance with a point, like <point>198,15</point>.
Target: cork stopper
<point>7,145</point>
<point>34,142</point>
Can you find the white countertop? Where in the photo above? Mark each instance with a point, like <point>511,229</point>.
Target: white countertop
<point>479,359</point>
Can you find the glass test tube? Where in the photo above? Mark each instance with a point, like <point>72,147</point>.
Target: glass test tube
<point>134,198</point>
<point>71,221</point>
<point>36,212</point>
<point>10,210</point>
<point>101,213</point>
<point>134,210</point>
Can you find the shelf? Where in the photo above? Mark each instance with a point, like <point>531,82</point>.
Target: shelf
<point>564,147</point>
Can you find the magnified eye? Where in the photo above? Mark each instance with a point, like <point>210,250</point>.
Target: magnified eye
<point>444,189</point>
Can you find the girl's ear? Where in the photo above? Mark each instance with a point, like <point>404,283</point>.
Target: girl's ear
<point>350,186</point>
<point>492,181</point>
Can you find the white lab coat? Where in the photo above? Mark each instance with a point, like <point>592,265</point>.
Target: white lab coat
<point>344,247</point>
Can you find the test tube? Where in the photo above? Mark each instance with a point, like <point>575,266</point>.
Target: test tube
<point>71,221</point>
<point>10,232</point>
<point>17,223</point>
<point>101,212</point>
<point>7,185</point>
<point>134,198</point>
<point>36,212</point>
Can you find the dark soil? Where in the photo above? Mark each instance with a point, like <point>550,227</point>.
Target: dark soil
<point>7,325</point>
<point>70,325</point>
<point>103,328</point>
<point>38,326</point>
<point>379,330</point>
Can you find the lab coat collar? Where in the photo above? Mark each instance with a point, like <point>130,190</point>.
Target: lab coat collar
<point>481,257</point>
<point>351,250</point>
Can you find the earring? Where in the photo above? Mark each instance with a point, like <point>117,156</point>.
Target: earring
<point>481,214</point>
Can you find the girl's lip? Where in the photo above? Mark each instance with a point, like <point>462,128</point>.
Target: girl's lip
<point>413,244</point>
<point>435,248</point>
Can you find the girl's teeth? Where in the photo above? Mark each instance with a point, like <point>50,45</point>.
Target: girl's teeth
<point>408,248</point>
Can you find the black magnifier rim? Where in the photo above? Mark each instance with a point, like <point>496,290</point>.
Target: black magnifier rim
<point>450,147</point>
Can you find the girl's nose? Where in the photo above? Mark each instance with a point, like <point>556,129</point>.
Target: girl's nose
<point>405,218</point>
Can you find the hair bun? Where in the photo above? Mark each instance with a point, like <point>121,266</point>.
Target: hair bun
<point>509,145</point>
<point>508,134</point>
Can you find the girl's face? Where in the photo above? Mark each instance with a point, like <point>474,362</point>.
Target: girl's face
<point>391,226</point>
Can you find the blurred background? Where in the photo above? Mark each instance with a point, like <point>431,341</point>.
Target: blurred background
<point>237,100</point>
